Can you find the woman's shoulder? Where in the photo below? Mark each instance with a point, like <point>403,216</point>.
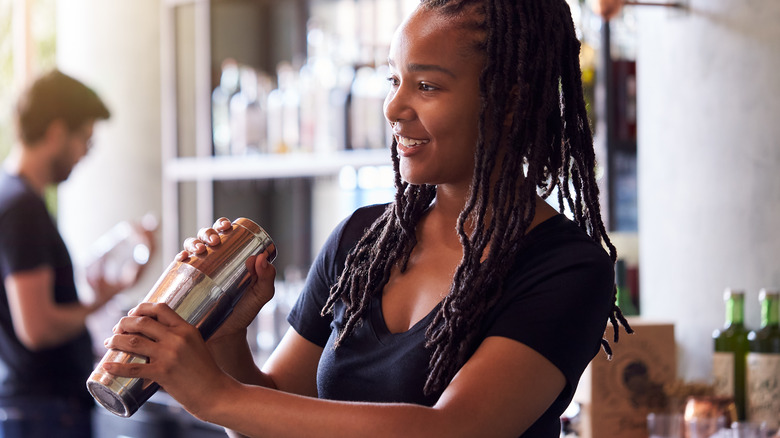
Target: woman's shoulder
<point>561,259</point>
<point>564,239</point>
<point>348,233</point>
<point>352,228</point>
<point>364,216</point>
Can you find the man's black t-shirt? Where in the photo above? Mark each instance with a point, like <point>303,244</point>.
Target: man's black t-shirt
<point>556,300</point>
<point>29,239</point>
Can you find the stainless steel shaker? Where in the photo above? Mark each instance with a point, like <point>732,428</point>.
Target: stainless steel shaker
<point>203,291</point>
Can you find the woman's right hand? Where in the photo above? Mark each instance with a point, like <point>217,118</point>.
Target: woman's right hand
<point>260,290</point>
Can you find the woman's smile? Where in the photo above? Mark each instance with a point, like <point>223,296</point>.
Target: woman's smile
<point>408,146</point>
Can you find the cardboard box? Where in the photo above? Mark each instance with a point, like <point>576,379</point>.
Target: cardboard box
<point>617,395</point>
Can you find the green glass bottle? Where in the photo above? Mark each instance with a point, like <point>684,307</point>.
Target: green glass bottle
<point>624,299</point>
<point>762,375</point>
<point>731,347</point>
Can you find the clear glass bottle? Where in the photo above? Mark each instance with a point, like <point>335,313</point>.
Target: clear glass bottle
<point>730,350</point>
<point>248,115</point>
<point>762,375</point>
<point>120,253</point>
<point>220,106</point>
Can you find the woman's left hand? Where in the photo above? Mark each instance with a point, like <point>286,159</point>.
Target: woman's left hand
<point>178,358</point>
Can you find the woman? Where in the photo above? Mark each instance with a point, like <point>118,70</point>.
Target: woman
<point>467,307</point>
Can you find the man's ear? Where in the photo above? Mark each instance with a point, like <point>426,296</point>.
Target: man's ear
<point>56,132</point>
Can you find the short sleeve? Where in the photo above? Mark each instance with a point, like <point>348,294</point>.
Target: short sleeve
<point>557,302</point>
<point>305,316</point>
<point>25,237</point>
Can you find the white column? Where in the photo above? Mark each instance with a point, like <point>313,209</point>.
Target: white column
<point>709,165</point>
<point>114,47</point>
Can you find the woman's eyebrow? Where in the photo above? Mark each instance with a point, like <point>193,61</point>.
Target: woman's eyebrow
<point>425,67</point>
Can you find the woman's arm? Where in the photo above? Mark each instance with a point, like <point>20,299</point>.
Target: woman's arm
<point>500,391</point>
<point>292,366</point>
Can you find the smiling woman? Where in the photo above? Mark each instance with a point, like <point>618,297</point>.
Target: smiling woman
<point>468,306</point>
<point>433,104</point>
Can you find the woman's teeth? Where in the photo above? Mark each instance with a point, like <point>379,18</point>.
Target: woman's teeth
<point>410,141</point>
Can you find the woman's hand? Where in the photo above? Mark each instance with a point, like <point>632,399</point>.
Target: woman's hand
<point>260,291</point>
<point>177,356</point>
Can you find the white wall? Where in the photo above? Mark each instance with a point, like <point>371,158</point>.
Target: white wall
<point>114,47</point>
<point>709,164</point>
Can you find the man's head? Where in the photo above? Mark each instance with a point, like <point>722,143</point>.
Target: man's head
<point>54,120</point>
<point>56,96</point>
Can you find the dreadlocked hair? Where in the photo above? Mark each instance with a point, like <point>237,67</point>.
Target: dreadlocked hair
<point>531,93</point>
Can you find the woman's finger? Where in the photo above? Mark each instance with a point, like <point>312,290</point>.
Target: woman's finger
<point>141,325</point>
<point>182,256</point>
<point>129,369</point>
<point>160,312</point>
<point>209,236</point>
<point>194,246</point>
<point>131,343</point>
<point>263,268</point>
<point>222,224</point>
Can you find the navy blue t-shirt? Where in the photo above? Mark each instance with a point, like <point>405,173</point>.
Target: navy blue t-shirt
<point>29,239</point>
<point>556,300</point>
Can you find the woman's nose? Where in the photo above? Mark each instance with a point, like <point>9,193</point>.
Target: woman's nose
<point>396,106</point>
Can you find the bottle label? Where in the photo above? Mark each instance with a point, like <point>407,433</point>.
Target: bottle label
<point>723,373</point>
<point>762,382</point>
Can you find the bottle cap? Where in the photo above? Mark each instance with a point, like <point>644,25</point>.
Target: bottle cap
<point>773,291</point>
<point>735,292</point>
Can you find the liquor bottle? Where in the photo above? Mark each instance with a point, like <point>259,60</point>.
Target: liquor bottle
<point>248,114</point>
<point>284,104</point>
<point>762,376</point>
<point>220,106</point>
<point>731,346</point>
<point>624,299</point>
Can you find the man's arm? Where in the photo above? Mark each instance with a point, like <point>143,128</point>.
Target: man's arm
<point>39,321</point>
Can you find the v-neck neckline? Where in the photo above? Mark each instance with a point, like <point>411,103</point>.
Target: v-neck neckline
<point>384,335</point>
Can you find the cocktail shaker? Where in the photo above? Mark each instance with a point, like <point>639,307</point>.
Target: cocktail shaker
<point>203,290</point>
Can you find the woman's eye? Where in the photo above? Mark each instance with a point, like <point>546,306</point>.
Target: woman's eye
<point>393,81</point>
<point>427,87</point>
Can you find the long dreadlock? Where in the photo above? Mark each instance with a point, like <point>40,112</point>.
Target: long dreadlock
<point>532,73</point>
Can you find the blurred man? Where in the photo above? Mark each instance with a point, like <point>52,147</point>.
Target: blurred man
<point>45,349</point>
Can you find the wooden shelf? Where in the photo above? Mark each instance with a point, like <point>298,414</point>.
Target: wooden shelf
<point>271,165</point>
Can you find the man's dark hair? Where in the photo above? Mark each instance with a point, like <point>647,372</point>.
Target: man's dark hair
<point>533,123</point>
<point>56,96</point>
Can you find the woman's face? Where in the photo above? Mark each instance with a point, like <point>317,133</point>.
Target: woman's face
<point>433,103</point>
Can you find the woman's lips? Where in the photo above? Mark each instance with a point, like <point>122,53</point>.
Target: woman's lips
<point>407,145</point>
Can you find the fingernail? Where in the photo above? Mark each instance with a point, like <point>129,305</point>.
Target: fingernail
<point>105,343</point>
<point>264,261</point>
<point>108,366</point>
